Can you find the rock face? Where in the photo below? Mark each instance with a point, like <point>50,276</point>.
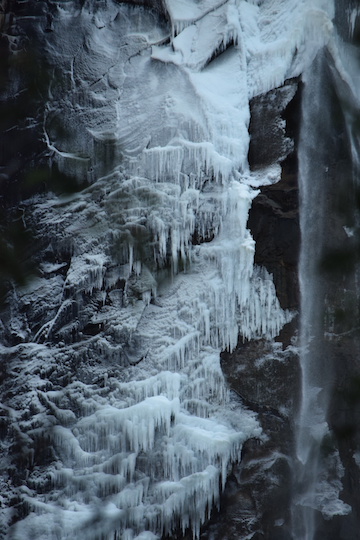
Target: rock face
<point>264,476</point>
<point>95,279</point>
<point>274,215</point>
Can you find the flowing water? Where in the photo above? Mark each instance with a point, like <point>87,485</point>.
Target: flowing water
<point>312,424</point>
<point>331,77</point>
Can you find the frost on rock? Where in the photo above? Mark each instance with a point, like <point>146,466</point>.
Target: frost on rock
<point>154,266</point>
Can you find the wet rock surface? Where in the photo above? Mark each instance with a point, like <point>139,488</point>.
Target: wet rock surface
<point>274,215</point>
<point>339,268</point>
<point>274,223</point>
<point>266,379</point>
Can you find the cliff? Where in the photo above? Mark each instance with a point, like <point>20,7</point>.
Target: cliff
<point>150,240</point>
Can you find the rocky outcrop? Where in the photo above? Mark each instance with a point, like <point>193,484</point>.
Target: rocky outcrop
<point>274,215</point>
<point>266,379</point>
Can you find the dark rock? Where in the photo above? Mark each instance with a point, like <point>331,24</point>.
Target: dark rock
<point>273,218</point>
<point>269,142</point>
<point>274,224</point>
<point>257,497</point>
<point>262,364</point>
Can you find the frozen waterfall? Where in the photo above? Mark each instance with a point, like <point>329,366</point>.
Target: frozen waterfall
<point>141,441</point>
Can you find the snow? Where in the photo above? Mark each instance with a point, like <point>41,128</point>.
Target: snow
<point>86,273</point>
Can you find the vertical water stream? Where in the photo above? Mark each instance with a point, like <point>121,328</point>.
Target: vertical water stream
<point>312,425</point>
<point>318,468</point>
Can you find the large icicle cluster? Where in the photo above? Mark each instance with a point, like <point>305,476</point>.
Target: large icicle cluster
<point>146,452</point>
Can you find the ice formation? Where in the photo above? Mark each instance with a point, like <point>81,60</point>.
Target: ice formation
<point>148,454</point>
